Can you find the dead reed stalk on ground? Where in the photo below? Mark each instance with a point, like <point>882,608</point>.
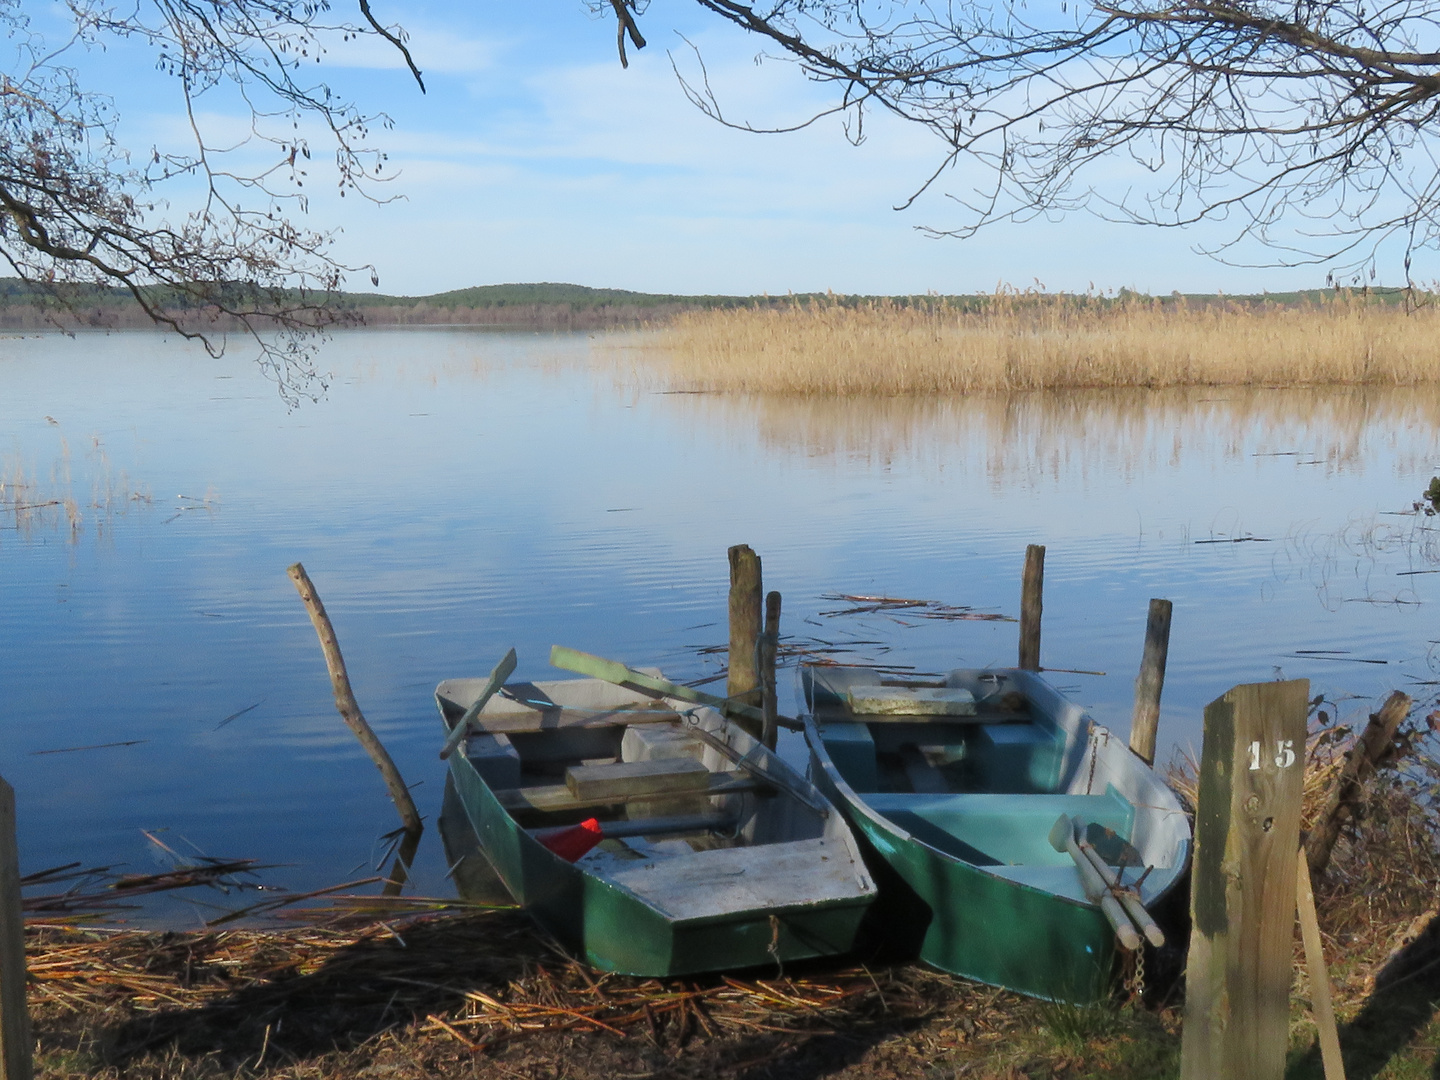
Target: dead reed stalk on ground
<point>1019,342</point>
<point>324,1000</point>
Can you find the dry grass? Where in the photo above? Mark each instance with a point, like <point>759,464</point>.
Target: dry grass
<point>480,995</point>
<point>1013,342</point>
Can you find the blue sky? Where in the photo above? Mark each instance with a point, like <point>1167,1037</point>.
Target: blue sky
<point>535,157</point>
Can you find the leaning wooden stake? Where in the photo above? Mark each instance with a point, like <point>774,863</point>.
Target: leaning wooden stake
<point>1032,588</point>
<point>769,649</point>
<point>745,618</point>
<point>14,1016</point>
<point>349,707</point>
<point>1369,750</point>
<point>1242,895</point>
<point>1150,682</point>
<point>1320,1005</point>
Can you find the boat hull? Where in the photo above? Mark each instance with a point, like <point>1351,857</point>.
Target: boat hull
<point>964,921</point>
<point>956,828</point>
<point>612,929</point>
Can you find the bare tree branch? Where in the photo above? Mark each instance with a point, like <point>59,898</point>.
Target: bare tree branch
<point>1308,126</point>
<point>76,210</point>
<point>399,43</point>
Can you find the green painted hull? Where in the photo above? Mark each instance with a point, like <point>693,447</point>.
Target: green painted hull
<point>967,922</point>
<point>613,930</point>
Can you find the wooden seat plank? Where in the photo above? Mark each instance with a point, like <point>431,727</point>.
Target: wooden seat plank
<point>637,779</point>
<point>559,719</point>
<point>557,798</point>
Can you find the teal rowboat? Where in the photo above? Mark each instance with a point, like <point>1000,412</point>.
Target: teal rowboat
<point>713,853</point>
<point>955,786</point>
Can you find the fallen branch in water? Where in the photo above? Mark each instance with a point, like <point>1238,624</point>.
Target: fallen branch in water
<point>97,890</point>
<point>918,609</point>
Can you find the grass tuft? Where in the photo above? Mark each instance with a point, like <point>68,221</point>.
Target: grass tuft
<point>1078,1025</point>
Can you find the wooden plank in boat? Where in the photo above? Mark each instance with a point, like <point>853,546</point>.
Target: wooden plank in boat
<point>558,719</point>
<point>557,798</point>
<point>983,716</point>
<point>759,877</point>
<point>899,701</point>
<point>637,779</point>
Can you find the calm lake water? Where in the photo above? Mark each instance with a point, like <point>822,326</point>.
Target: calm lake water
<point>460,492</point>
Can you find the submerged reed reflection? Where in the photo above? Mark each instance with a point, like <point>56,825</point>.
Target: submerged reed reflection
<point>1060,434</point>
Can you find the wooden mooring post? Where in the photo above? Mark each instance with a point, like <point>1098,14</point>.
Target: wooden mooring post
<point>1150,682</point>
<point>1242,896</point>
<point>1032,588</point>
<point>15,1063</point>
<point>746,615</point>
<point>769,650</point>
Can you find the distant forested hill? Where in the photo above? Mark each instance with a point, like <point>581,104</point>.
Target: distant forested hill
<point>541,305</point>
<point>537,306</point>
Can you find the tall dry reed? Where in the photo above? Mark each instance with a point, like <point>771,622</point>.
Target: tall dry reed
<point>1018,342</point>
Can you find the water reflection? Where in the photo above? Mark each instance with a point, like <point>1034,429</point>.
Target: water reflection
<point>1058,436</point>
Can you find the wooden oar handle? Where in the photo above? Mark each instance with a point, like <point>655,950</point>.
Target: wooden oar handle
<point>1133,907</point>
<point>1062,838</point>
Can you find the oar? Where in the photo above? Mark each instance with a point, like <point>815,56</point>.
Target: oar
<point>613,671</point>
<point>1062,838</point>
<point>1128,899</point>
<point>503,671</point>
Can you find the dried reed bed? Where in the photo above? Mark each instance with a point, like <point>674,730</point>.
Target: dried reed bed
<point>1021,342</point>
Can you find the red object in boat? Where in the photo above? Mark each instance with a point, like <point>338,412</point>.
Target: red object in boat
<point>572,843</point>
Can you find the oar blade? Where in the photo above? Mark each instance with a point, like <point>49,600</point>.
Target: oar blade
<point>501,672</point>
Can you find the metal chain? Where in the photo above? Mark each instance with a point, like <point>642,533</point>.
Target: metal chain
<point>1134,980</point>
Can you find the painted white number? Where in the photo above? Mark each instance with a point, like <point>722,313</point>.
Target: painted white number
<point>1284,754</point>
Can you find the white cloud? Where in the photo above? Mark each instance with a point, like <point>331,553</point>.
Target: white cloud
<point>436,49</point>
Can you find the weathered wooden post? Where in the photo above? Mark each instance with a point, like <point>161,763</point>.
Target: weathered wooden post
<point>1150,682</point>
<point>1242,896</point>
<point>745,618</point>
<point>769,649</point>
<point>346,704</point>
<point>1321,1007</point>
<point>1032,586</point>
<point>14,1016</point>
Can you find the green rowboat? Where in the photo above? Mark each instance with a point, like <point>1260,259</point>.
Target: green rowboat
<point>955,787</point>
<point>713,853</point>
